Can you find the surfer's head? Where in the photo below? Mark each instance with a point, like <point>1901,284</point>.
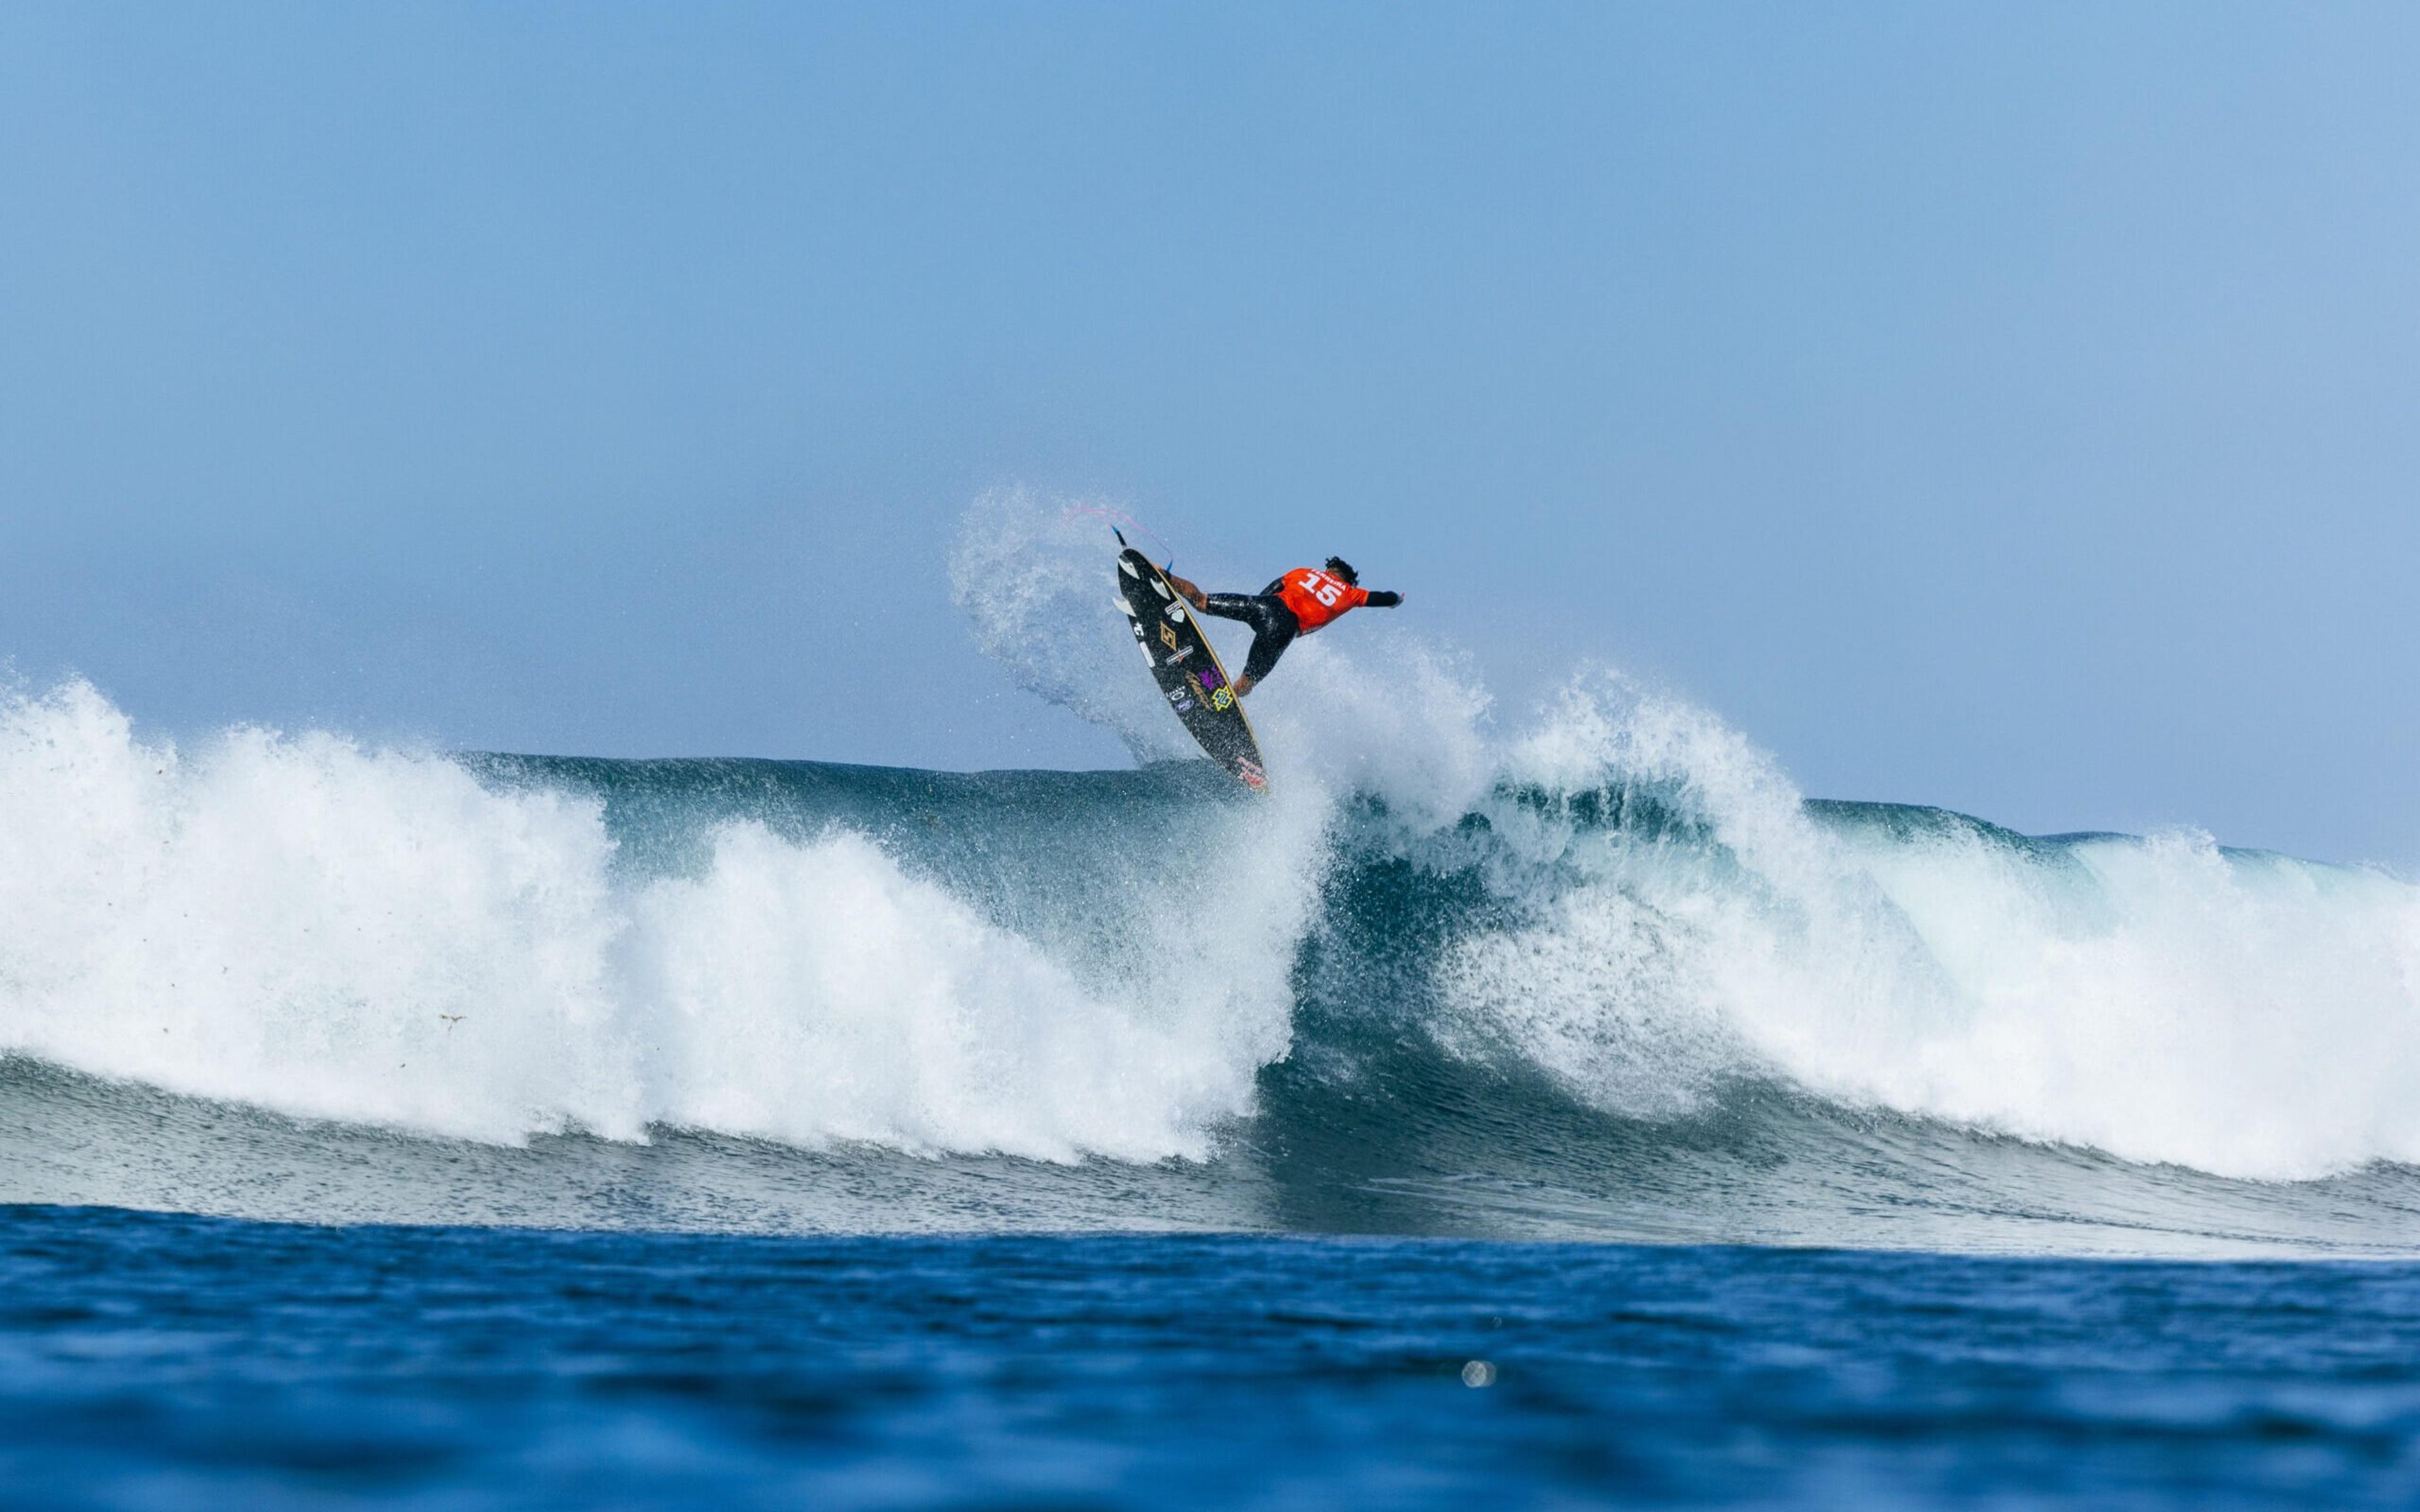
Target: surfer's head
<point>1338,567</point>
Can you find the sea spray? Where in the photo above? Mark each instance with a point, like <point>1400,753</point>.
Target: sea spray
<point>1036,581</point>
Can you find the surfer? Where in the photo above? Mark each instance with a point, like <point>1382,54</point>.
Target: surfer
<point>1297,604</point>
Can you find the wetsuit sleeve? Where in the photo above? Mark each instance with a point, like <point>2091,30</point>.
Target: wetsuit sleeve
<point>1383,598</point>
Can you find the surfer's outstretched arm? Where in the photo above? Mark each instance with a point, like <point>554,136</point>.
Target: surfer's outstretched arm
<point>1193,595</point>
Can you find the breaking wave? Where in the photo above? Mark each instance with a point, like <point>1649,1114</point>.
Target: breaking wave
<point>1601,970</point>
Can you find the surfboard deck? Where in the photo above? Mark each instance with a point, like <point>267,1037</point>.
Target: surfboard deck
<point>1187,670</point>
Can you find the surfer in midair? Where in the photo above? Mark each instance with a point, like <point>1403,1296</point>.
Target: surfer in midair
<point>1301,601</point>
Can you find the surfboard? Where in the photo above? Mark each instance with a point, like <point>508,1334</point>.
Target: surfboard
<point>1186,670</point>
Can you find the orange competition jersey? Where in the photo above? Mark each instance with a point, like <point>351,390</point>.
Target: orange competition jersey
<point>1316,598</point>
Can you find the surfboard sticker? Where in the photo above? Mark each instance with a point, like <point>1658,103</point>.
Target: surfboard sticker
<point>1188,670</point>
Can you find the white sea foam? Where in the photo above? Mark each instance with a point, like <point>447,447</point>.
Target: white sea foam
<point>2246,1015</point>
<point>371,935</point>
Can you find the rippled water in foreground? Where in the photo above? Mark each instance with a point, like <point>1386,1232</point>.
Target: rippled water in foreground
<point>149,1361</point>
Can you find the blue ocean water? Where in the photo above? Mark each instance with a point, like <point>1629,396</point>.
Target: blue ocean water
<point>1563,1114</point>
<point>151,1360</point>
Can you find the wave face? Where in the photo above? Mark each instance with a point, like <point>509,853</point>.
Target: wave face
<point>1610,977</point>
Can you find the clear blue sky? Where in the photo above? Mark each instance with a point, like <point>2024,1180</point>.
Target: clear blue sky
<point>2013,407</point>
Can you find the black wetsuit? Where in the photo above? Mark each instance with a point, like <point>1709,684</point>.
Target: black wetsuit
<point>1274,626</point>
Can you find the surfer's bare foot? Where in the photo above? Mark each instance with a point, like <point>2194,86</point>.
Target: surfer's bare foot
<point>1193,595</point>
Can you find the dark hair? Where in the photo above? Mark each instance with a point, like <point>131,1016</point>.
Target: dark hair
<point>1338,567</point>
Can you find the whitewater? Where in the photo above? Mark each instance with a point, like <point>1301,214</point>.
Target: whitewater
<point>1594,970</point>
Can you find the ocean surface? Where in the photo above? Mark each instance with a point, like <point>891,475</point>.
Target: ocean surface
<point>402,1126</point>
<point>155,1361</point>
